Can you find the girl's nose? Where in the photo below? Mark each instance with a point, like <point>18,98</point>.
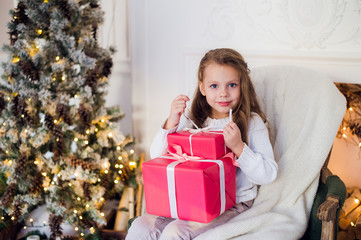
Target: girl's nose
<point>223,92</point>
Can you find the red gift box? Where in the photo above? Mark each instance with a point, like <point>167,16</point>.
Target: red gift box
<point>205,144</point>
<point>196,190</point>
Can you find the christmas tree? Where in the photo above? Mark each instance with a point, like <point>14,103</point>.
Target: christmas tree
<point>59,144</point>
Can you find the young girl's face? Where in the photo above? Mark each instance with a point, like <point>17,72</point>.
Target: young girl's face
<point>221,87</point>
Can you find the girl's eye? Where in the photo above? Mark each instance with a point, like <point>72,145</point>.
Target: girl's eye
<point>213,86</point>
<point>232,85</point>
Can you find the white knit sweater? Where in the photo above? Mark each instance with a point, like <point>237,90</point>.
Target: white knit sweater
<point>256,163</point>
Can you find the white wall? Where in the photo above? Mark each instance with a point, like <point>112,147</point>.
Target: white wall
<point>168,39</point>
<point>114,32</point>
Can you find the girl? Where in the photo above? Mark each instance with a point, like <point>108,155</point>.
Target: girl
<point>223,84</point>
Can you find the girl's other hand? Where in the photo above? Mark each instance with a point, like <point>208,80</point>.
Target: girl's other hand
<point>233,138</point>
<point>178,106</point>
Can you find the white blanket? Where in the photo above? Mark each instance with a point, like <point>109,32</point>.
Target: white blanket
<point>304,110</point>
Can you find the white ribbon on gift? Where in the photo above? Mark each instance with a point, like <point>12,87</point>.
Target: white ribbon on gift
<point>199,130</point>
<point>171,183</point>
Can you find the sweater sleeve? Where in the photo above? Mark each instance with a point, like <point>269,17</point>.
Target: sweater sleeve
<point>160,142</point>
<point>257,159</point>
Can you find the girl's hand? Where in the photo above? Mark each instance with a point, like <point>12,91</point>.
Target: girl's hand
<point>233,138</point>
<point>178,106</point>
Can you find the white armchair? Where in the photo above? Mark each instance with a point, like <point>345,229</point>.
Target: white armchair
<point>304,110</point>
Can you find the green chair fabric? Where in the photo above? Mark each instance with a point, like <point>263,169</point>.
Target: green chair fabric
<point>333,187</point>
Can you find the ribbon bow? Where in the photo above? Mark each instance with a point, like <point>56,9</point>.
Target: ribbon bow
<point>198,130</point>
<point>177,152</point>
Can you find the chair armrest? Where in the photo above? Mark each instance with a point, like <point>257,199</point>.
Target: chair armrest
<point>327,210</point>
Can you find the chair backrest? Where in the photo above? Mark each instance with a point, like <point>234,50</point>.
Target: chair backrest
<point>304,110</point>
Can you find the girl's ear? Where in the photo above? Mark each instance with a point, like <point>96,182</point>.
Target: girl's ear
<point>201,88</point>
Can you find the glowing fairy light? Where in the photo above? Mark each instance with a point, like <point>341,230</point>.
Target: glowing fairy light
<point>132,151</point>
<point>87,131</point>
<point>118,148</point>
<point>116,181</point>
<point>39,31</point>
<point>120,158</point>
<point>110,135</point>
<point>57,58</point>
<point>75,211</point>
<point>76,139</point>
<point>357,200</point>
<point>15,60</point>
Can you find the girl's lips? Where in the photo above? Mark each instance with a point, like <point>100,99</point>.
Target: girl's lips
<point>224,104</point>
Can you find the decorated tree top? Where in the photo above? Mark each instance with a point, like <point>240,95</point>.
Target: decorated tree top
<point>59,145</point>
